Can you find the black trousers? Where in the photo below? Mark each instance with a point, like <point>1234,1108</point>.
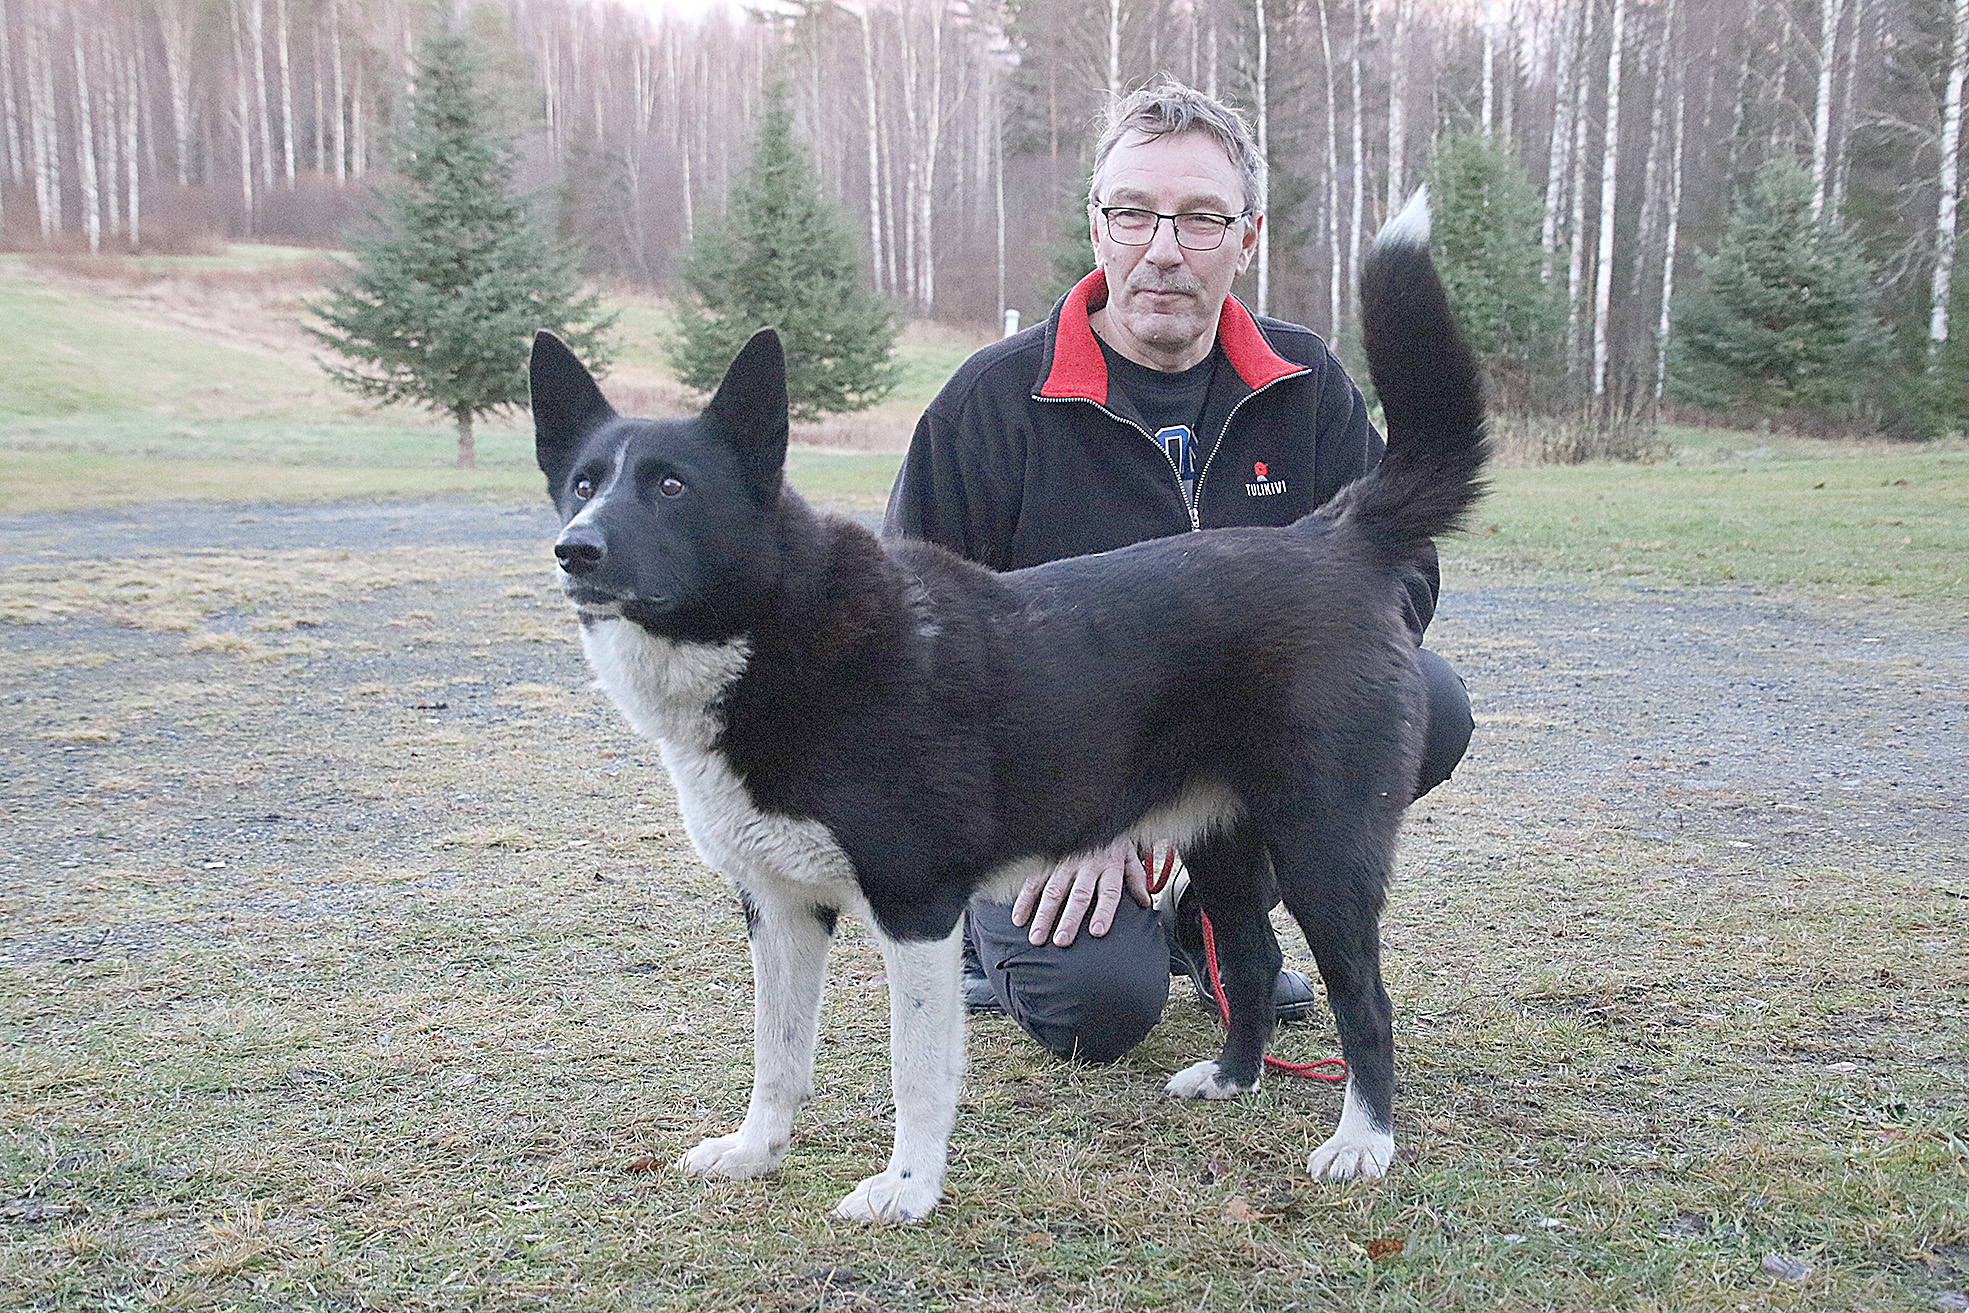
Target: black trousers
<point>1096,998</point>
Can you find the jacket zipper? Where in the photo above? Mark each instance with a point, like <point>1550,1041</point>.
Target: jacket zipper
<point>1191,501</point>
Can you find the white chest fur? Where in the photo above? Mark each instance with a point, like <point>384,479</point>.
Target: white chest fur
<point>669,691</point>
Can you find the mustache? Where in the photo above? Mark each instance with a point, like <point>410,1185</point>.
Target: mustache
<point>1180,286</point>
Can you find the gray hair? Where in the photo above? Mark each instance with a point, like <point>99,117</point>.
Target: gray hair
<point>1170,108</point>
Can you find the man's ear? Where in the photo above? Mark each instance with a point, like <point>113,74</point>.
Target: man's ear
<point>749,410</point>
<point>566,403</point>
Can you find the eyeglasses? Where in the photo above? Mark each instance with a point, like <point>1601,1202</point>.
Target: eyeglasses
<point>1196,231</point>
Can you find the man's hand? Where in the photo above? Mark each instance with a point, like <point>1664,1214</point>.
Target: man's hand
<point>1056,904</point>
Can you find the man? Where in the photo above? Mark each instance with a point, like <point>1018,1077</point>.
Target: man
<point>1151,403</point>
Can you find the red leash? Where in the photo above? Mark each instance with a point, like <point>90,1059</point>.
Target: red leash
<point>1158,880</point>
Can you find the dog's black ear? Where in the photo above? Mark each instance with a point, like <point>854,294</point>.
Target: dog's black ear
<point>749,408</point>
<point>566,402</point>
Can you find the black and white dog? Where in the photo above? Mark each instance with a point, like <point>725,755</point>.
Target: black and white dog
<point>883,729</point>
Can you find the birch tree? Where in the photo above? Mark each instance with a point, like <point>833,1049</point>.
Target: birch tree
<point>1609,182</point>
<point>1951,147</point>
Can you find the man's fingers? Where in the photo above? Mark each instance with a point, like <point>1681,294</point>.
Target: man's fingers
<point>1113,880</point>
<point>1051,893</point>
<point>1086,881</point>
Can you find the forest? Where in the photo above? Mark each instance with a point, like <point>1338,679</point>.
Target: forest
<point>955,135</point>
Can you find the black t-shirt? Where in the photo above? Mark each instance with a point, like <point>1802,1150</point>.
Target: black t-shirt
<point>1171,406</point>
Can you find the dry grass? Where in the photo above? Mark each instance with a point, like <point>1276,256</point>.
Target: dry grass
<point>380,974</point>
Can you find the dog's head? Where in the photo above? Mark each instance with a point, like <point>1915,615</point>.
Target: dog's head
<point>668,523</point>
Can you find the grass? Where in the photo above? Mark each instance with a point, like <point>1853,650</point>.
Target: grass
<point>355,957</point>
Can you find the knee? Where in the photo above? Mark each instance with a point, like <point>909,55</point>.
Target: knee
<point>1098,1024</point>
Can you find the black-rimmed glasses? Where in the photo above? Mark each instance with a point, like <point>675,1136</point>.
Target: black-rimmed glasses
<point>1195,231</point>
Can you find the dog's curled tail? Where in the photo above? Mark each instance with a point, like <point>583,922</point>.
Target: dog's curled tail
<point>1431,395</point>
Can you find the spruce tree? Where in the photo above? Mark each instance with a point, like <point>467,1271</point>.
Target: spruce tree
<point>1784,320</point>
<point>447,286</point>
<point>1484,229</point>
<point>785,258</point>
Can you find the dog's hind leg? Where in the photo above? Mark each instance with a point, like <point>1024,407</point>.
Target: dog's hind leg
<point>1333,876</point>
<point>1231,878</point>
<point>926,1063</point>
<point>789,940</point>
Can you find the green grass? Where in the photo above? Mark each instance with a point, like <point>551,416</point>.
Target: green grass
<point>70,354</point>
<point>1886,522</point>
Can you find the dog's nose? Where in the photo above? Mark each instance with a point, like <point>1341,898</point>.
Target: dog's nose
<point>579,550</point>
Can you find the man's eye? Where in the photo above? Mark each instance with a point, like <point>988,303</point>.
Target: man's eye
<point>671,485</point>
<point>584,488</point>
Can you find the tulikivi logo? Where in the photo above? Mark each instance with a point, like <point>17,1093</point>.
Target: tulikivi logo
<point>1264,485</point>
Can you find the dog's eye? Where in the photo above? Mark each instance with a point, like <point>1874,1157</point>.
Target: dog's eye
<point>670,486</point>
<point>584,488</point>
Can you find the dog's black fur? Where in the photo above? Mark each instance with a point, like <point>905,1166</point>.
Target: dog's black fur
<point>885,728</point>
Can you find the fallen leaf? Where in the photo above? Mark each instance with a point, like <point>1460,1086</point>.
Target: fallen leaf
<point>1385,1247</point>
<point>1785,1267</point>
<point>1238,1210</point>
<point>1038,1240</point>
<point>643,1165</point>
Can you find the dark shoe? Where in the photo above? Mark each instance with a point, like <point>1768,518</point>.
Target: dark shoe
<point>1294,1000</point>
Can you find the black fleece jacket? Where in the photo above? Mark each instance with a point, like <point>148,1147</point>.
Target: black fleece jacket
<point>1028,455</point>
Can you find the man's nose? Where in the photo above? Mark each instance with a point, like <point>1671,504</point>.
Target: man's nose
<point>1163,246</point>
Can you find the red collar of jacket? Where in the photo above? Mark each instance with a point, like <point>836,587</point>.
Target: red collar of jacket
<point>1078,370</point>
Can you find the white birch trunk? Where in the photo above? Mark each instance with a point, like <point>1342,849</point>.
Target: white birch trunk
<point>1830,14</point>
<point>358,127</point>
<point>1490,76</point>
<point>41,128</point>
<point>1671,236</point>
<point>320,133</point>
<point>1334,283</point>
<point>176,21</point>
<point>10,101</point>
<point>286,90</point>
<point>243,101</point>
<point>1576,228</point>
<point>874,152</point>
<point>1609,178</point>
<point>1652,66</point>
<point>341,93</point>
<point>109,78</point>
<point>1559,156</point>
<point>1114,50</point>
<point>1357,215</point>
<point>85,141</point>
<point>1397,106</point>
<point>132,175</point>
<point>1842,154</point>
<point>932,145</point>
<point>256,54</point>
<point>912,166</point>
<point>1264,153</point>
<point>1938,288</point>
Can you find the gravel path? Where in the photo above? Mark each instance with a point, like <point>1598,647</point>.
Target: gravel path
<point>1801,734</point>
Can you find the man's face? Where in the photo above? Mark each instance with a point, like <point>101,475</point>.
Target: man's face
<point>1163,300</point>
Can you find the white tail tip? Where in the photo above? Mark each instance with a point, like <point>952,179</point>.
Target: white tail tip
<point>1411,226</point>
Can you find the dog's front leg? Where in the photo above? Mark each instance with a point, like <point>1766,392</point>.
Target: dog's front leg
<point>789,965</point>
<point>926,1064</point>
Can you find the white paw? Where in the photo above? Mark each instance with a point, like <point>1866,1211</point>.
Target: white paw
<point>892,1196</point>
<point>1205,1081</point>
<point>1353,1154</point>
<point>736,1156</point>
